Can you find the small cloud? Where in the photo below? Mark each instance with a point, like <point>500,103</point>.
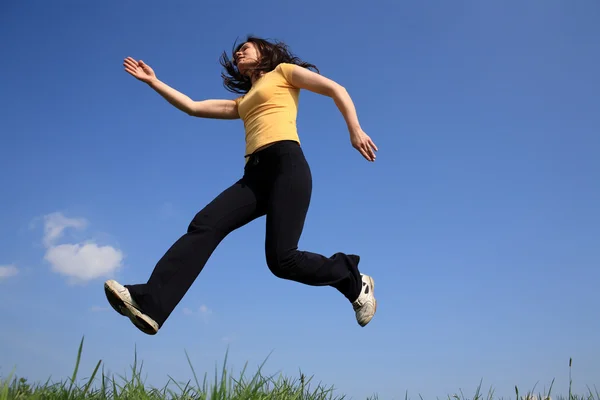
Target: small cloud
<point>80,262</point>
<point>203,312</point>
<point>229,338</point>
<point>56,223</point>
<point>8,271</point>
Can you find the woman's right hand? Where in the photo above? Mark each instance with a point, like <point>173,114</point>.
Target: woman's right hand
<point>139,70</point>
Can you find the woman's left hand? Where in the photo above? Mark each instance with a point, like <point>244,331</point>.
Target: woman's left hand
<point>363,143</point>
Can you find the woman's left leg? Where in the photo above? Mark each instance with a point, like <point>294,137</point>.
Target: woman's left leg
<point>287,206</point>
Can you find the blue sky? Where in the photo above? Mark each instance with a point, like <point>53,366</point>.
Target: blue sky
<point>479,219</point>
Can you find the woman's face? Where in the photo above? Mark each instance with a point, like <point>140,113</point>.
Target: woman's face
<point>246,57</point>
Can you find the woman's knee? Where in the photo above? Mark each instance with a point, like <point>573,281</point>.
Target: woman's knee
<point>281,263</point>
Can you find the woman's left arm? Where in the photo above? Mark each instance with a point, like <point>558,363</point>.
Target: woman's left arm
<point>303,78</point>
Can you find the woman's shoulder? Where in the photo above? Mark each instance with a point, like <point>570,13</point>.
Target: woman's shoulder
<point>285,70</point>
<point>285,67</point>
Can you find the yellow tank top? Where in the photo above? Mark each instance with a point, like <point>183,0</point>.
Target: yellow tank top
<point>270,108</point>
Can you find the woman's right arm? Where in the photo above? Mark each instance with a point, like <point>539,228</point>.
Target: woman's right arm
<point>216,109</point>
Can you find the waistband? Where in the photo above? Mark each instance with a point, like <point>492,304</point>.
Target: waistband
<point>281,144</point>
<point>273,151</point>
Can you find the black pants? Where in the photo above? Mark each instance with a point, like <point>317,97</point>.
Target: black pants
<point>277,182</point>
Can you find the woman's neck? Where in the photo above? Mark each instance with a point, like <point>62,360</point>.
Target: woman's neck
<point>255,77</point>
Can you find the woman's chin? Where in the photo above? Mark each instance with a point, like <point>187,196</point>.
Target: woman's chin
<point>244,67</point>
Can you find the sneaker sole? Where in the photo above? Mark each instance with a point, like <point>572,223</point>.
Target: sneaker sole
<point>373,288</point>
<point>114,300</point>
<point>372,283</point>
<point>126,309</point>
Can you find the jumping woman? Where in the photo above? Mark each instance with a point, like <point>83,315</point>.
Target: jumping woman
<point>276,183</point>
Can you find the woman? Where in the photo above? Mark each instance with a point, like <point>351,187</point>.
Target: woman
<point>276,183</point>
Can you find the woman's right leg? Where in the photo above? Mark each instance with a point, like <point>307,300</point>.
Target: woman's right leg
<point>182,263</point>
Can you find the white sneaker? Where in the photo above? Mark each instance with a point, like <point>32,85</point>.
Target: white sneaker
<point>119,298</point>
<point>365,305</point>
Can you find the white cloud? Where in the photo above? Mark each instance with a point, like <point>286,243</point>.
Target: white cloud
<point>56,223</point>
<point>7,271</point>
<point>80,262</point>
<point>229,338</point>
<point>203,311</point>
<point>84,262</point>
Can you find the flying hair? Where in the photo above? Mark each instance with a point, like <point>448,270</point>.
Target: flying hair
<point>272,54</point>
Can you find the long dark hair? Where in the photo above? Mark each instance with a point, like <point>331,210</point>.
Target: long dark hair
<point>272,54</point>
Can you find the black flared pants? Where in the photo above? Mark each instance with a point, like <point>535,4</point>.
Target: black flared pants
<point>277,182</point>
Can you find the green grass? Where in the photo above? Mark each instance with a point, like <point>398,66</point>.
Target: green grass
<point>223,387</point>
